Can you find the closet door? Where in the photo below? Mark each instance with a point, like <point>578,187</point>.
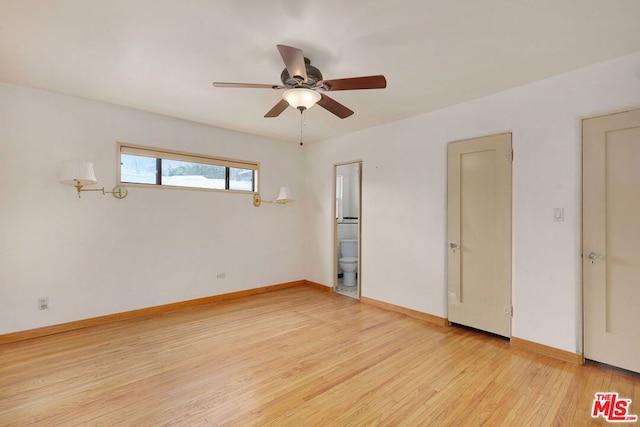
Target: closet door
<point>611,239</point>
<point>479,231</point>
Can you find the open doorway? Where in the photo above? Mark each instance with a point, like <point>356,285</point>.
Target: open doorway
<point>347,216</point>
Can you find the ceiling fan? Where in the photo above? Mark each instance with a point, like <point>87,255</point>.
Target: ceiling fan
<point>304,85</point>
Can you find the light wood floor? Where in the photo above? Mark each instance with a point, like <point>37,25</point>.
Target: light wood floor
<point>295,357</point>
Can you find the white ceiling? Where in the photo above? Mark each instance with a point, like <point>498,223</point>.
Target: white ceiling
<point>162,55</point>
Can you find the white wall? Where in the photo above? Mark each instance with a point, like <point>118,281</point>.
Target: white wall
<point>98,255</point>
<point>404,197</point>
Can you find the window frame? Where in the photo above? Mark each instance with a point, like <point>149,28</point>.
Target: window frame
<point>170,154</point>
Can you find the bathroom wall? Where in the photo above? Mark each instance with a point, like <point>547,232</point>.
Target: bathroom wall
<point>348,224</point>
<point>404,197</point>
<point>350,188</point>
<point>97,255</point>
<point>348,229</point>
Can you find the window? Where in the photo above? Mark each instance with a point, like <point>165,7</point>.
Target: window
<point>157,166</point>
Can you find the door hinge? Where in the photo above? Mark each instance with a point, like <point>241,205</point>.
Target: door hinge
<point>509,155</point>
<point>508,310</point>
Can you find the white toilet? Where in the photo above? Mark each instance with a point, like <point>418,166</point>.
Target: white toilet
<point>348,261</point>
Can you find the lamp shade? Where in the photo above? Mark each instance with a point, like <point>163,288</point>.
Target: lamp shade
<point>78,173</point>
<point>284,196</point>
<point>301,97</point>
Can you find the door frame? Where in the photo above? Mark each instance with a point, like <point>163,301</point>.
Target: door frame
<point>334,220</point>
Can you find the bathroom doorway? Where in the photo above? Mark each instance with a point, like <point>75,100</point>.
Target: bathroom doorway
<point>347,216</point>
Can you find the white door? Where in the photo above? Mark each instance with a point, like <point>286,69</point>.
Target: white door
<point>479,233</point>
<point>611,239</point>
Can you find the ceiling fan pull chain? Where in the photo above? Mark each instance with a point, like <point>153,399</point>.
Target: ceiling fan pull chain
<point>301,124</point>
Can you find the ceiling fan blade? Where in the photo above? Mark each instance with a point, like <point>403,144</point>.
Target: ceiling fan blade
<point>247,85</point>
<point>277,109</point>
<point>353,83</point>
<point>294,61</point>
<point>334,106</point>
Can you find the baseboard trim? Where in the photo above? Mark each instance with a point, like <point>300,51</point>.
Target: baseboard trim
<point>519,343</point>
<point>556,353</point>
<point>142,312</point>
<point>440,321</point>
<point>318,286</point>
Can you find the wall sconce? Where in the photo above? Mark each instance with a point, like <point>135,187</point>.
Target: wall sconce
<point>79,174</point>
<point>283,198</point>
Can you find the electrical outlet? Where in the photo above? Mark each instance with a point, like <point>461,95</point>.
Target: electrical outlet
<point>43,303</point>
<point>558,214</point>
<point>221,275</point>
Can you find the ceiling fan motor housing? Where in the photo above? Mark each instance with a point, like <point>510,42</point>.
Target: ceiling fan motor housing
<point>313,77</point>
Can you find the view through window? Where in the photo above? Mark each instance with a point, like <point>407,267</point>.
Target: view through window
<point>155,166</point>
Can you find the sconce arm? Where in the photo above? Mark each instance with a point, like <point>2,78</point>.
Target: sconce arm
<point>119,192</point>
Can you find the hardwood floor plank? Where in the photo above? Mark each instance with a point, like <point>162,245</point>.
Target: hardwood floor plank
<point>297,356</point>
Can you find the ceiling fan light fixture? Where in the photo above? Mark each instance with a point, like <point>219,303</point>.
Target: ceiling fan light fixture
<point>301,98</point>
